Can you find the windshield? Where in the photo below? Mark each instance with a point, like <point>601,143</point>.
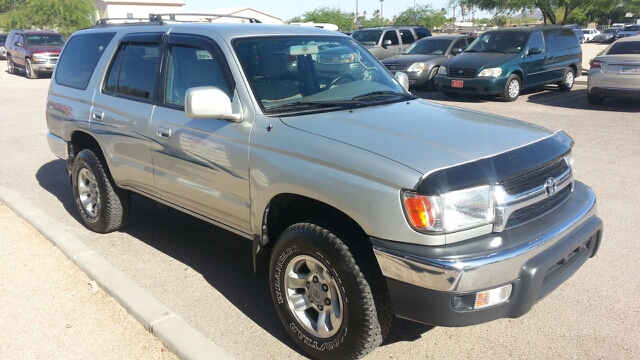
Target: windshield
<point>631,28</point>
<point>367,37</point>
<point>3,39</point>
<point>45,40</point>
<point>429,47</point>
<point>510,42</point>
<point>609,31</point>
<point>319,73</point>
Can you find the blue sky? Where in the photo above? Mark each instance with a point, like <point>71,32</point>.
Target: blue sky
<point>286,9</point>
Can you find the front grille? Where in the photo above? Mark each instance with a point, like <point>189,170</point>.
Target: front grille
<point>395,67</point>
<point>528,213</point>
<point>529,181</point>
<point>462,72</point>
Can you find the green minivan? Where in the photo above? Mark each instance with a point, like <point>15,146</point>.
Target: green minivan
<point>505,61</point>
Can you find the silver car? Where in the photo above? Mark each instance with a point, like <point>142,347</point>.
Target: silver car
<point>615,72</point>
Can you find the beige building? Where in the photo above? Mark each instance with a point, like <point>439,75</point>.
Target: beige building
<point>136,8</point>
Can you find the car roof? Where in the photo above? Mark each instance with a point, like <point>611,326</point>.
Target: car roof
<point>225,30</point>
<point>635,38</point>
<point>391,27</point>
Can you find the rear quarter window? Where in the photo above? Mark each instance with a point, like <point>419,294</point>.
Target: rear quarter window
<point>79,58</point>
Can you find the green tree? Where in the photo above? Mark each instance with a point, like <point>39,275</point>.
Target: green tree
<point>423,15</point>
<point>344,20</point>
<point>553,11</point>
<point>64,16</point>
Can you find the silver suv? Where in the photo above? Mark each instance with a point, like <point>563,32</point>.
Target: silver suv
<point>361,200</point>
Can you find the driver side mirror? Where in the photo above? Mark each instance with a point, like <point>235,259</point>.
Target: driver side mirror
<point>403,79</point>
<point>386,43</point>
<point>535,50</point>
<point>18,44</point>
<point>456,51</point>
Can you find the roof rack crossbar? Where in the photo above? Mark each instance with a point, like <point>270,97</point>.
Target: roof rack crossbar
<point>161,19</point>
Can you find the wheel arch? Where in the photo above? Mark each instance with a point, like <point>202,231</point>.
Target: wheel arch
<point>284,210</point>
<point>81,140</point>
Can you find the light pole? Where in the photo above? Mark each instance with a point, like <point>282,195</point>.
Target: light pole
<point>381,17</point>
<point>357,15</point>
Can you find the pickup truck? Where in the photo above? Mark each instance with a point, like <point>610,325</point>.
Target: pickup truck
<point>362,201</point>
<point>35,51</point>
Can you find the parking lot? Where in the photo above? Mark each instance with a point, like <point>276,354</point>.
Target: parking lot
<point>204,274</point>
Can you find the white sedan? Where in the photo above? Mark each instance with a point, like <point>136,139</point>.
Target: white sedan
<point>590,34</point>
<point>615,72</point>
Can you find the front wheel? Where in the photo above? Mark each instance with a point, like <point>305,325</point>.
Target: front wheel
<point>430,84</point>
<point>103,206</point>
<point>567,80</point>
<point>330,304</point>
<point>31,74</point>
<point>511,88</point>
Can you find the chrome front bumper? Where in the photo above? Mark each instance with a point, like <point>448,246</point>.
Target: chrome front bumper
<point>494,259</point>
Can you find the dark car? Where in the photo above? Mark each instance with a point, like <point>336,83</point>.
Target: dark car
<point>578,31</point>
<point>421,60</point>
<point>387,41</point>
<point>504,61</point>
<point>35,51</point>
<point>628,30</point>
<point>607,35</point>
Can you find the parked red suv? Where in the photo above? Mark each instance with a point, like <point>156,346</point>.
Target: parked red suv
<point>35,51</point>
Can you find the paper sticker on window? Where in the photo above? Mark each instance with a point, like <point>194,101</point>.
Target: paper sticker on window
<point>203,55</point>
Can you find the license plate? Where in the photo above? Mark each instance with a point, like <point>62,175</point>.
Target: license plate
<point>458,84</point>
<point>628,70</point>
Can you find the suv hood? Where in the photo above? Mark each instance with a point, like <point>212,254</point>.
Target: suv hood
<point>481,60</point>
<point>421,135</point>
<point>48,49</point>
<point>410,59</point>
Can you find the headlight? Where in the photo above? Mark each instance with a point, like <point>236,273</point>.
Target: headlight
<point>415,67</point>
<point>449,212</point>
<point>39,57</point>
<point>493,72</point>
<point>442,70</point>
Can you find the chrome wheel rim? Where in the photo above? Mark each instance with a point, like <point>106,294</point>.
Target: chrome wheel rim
<point>27,68</point>
<point>569,79</point>
<point>514,88</point>
<point>313,296</point>
<point>10,65</point>
<point>88,192</point>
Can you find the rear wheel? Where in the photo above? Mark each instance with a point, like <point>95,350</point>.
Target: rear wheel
<point>567,80</point>
<point>594,99</point>
<point>31,74</point>
<point>511,88</point>
<point>331,298</point>
<point>103,206</point>
<point>11,67</point>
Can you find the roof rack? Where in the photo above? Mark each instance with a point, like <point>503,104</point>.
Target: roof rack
<point>169,18</point>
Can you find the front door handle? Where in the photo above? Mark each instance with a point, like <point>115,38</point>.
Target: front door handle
<point>97,115</point>
<point>163,133</point>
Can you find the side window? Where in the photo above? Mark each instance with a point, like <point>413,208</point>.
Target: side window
<point>407,37</point>
<point>21,39</point>
<point>132,73</point>
<point>79,59</point>
<point>569,39</point>
<point>553,41</point>
<point>460,43</point>
<point>422,32</point>
<point>536,41</point>
<point>391,35</point>
<point>189,67</point>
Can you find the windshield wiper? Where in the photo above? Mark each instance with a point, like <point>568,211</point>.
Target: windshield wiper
<point>378,94</point>
<point>311,105</point>
<point>471,50</point>
<point>494,51</point>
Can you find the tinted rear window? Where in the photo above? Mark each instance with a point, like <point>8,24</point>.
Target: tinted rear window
<point>79,59</point>
<point>627,47</point>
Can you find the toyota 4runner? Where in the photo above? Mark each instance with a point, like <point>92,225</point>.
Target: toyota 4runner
<point>362,201</point>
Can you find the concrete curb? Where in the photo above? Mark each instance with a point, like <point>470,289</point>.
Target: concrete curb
<point>178,336</point>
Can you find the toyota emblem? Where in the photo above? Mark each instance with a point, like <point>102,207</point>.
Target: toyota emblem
<point>550,186</point>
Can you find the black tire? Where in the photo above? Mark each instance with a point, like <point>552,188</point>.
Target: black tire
<point>511,88</point>
<point>568,79</point>
<point>430,84</point>
<point>314,271</point>
<point>103,206</point>
<point>594,99</point>
<point>31,74</point>
<point>11,67</point>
